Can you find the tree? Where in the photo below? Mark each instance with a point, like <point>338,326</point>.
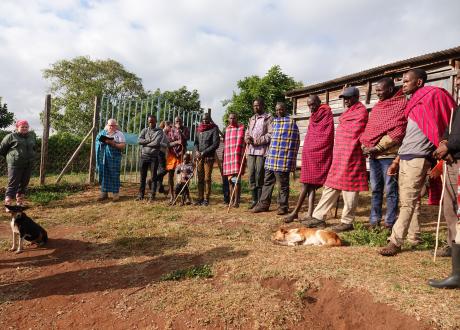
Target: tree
<point>271,87</point>
<point>180,98</point>
<point>75,83</point>
<point>6,118</point>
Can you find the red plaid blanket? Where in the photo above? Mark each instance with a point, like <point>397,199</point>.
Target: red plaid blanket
<point>317,147</point>
<point>386,118</point>
<point>233,149</point>
<point>430,107</point>
<point>348,169</point>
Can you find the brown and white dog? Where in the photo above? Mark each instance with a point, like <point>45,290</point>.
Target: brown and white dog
<point>305,236</point>
<point>24,228</point>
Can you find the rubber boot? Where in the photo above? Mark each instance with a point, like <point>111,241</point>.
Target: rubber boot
<point>453,281</point>
<point>255,199</point>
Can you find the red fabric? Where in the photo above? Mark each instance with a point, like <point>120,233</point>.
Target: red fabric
<point>434,191</point>
<point>317,147</point>
<point>430,107</point>
<point>386,118</point>
<point>205,127</point>
<point>233,149</point>
<point>348,169</point>
<point>22,122</point>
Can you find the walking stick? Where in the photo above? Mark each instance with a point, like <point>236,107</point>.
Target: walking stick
<point>237,180</point>
<point>444,170</point>
<point>186,183</point>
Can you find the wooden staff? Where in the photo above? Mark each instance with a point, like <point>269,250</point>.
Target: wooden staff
<point>237,180</point>
<point>186,183</point>
<point>444,170</point>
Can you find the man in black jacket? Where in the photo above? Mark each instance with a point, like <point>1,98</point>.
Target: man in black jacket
<point>153,140</point>
<point>449,150</point>
<point>206,143</point>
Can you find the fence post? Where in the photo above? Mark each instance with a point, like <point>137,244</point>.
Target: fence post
<point>45,137</point>
<point>92,159</point>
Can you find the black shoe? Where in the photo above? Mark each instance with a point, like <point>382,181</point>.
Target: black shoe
<point>453,281</point>
<point>139,197</point>
<point>341,227</point>
<point>198,203</point>
<point>252,205</point>
<point>205,202</point>
<point>261,207</point>
<point>445,252</point>
<point>314,223</point>
<point>282,211</point>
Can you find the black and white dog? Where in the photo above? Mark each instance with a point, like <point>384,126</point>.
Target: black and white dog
<point>24,228</point>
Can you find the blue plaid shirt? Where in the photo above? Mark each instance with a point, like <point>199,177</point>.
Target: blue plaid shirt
<point>284,145</point>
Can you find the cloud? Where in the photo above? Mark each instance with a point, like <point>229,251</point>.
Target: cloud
<point>208,45</point>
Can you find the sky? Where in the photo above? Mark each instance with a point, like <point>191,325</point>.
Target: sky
<point>210,45</point>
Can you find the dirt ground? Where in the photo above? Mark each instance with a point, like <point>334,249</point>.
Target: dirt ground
<point>105,264</point>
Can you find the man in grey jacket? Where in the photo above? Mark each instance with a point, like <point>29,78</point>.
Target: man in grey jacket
<point>257,137</point>
<point>153,140</point>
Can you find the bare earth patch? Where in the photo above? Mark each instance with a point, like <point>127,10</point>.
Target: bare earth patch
<point>105,266</point>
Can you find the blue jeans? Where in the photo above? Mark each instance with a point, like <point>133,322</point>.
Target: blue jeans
<point>379,181</point>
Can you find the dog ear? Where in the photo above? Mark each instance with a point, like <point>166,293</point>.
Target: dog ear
<point>16,208</point>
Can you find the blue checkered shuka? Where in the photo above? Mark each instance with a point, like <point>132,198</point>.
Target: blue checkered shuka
<point>284,145</point>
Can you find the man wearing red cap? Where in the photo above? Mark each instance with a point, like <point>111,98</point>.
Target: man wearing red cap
<point>19,150</point>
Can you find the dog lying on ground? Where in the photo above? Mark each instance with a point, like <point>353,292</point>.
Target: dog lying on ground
<point>305,236</point>
<point>24,228</point>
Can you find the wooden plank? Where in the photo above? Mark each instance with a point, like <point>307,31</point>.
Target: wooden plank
<point>327,97</point>
<point>368,92</point>
<point>92,157</point>
<point>45,138</point>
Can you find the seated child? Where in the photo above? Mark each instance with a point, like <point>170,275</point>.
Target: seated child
<point>185,171</point>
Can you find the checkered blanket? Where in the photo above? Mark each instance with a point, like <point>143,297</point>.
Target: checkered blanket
<point>348,169</point>
<point>430,107</point>
<point>233,149</point>
<point>284,145</point>
<point>386,118</point>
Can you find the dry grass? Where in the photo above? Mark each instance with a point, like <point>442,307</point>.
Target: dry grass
<point>238,249</point>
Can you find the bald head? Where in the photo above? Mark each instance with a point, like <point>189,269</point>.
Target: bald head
<point>313,102</point>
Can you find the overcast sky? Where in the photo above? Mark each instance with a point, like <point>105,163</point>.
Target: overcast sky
<point>209,45</point>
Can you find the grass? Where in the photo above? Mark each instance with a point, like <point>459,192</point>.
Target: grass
<point>362,236</point>
<point>203,271</point>
<point>158,247</point>
<point>43,195</point>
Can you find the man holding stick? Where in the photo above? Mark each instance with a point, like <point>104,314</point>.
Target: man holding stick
<point>427,112</point>
<point>233,159</point>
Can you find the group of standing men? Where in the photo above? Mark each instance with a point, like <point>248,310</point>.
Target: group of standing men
<point>399,136</point>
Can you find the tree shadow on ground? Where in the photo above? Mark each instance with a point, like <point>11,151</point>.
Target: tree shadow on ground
<point>99,279</point>
<point>68,250</point>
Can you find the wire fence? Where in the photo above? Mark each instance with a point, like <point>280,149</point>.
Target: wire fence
<point>131,115</point>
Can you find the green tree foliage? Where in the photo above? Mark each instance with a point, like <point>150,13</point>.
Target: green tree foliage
<point>181,98</point>
<point>75,83</point>
<point>271,87</point>
<point>6,117</point>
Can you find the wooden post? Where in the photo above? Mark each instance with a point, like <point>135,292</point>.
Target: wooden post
<point>368,92</point>
<point>45,137</point>
<point>92,159</point>
<point>327,97</point>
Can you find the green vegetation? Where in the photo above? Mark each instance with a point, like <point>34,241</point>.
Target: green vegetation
<point>363,236</point>
<point>271,87</point>
<point>202,271</point>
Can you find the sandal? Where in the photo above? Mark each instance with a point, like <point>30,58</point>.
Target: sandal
<point>390,250</point>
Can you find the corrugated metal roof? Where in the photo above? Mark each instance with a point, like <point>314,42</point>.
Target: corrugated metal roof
<point>379,71</point>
